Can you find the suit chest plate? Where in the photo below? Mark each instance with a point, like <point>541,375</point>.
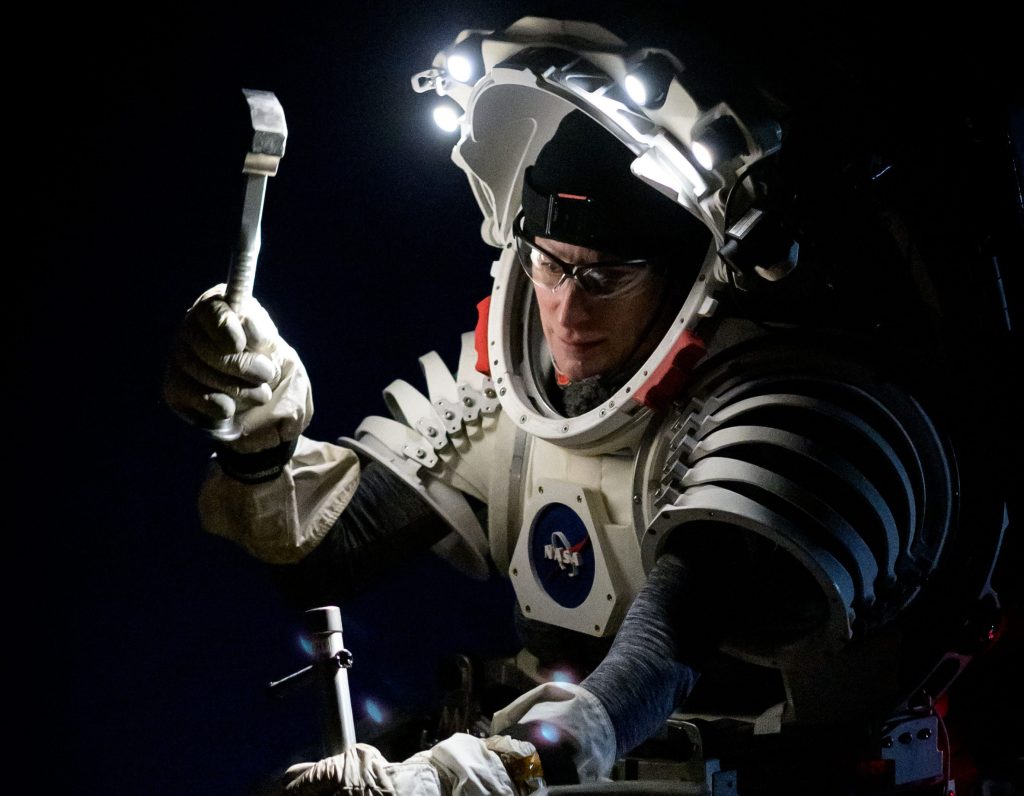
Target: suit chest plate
<point>575,561</point>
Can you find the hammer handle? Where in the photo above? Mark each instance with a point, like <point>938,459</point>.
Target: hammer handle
<point>242,274</point>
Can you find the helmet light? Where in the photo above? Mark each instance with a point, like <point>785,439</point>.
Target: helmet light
<point>447,118</point>
<point>647,83</point>
<point>721,140</point>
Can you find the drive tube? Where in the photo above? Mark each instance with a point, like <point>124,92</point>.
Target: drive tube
<point>331,662</point>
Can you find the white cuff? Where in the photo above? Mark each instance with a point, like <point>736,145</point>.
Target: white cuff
<point>281,521</point>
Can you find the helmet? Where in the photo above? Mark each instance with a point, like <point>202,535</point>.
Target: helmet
<point>522,100</point>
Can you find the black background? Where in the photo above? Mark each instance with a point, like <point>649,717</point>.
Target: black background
<point>158,639</point>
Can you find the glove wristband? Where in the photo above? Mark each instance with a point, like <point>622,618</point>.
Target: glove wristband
<point>554,759</point>
<point>254,468</point>
<point>526,773</point>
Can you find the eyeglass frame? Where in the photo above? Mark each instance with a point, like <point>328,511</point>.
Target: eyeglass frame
<point>569,271</point>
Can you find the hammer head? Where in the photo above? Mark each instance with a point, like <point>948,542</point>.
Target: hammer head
<point>269,132</point>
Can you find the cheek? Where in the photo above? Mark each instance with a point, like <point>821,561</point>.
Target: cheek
<point>547,305</point>
<point>632,314</point>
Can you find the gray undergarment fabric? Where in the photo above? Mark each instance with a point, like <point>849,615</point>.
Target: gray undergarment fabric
<point>643,679</point>
<point>579,397</point>
<point>384,524</point>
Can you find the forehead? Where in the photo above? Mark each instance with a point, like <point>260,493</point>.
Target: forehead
<point>571,253</point>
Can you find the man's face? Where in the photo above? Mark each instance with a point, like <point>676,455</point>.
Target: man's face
<point>588,335</point>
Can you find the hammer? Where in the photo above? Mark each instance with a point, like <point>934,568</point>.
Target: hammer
<point>269,135</point>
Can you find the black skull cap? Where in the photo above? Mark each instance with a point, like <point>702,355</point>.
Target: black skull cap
<point>581,191</point>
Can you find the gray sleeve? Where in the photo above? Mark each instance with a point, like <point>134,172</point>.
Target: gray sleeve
<point>384,524</point>
<point>643,678</point>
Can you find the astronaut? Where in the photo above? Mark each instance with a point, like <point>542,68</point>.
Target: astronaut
<point>695,450</point>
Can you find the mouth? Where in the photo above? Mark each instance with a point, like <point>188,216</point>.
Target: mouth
<point>581,345</point>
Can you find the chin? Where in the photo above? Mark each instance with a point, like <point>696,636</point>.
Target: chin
<point>579,370</point>
<point>578,365</point>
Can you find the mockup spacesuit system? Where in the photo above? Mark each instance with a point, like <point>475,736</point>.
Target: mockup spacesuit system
<point>685,428</point>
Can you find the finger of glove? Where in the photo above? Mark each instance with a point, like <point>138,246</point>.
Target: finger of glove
<point>351,768</point>
<point>504,744</point>
<point>214,319</point>
<point>342,774</point>
<point>230,330</point>
<point>283,419</point>
<point>377,772</point>
<point>250,367</point>
<point>193,401</point>
<point>371,758</point>
<point>230,376</point>
<point>314,779</point>
<point>294,771</point>
<point>260,331</point>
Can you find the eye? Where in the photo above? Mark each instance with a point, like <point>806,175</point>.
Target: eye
<point>546,263</point>
<point>606,276</point>
<point>606,280</point>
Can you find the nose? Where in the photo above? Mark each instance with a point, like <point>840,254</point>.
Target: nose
<point>573,304</point>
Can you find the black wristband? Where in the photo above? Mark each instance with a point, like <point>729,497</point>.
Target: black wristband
<point>254,468</point>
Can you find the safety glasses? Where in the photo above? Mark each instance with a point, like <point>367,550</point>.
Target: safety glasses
<point>606,279</point>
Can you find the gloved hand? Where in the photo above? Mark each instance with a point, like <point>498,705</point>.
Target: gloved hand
<point>360,771</point>
<point>462,765</point>
<point>226,365</point>
<point>572,717</point>
<point>469,766</point>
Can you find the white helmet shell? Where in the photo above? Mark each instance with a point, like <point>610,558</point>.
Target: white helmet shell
<point>529,77</point>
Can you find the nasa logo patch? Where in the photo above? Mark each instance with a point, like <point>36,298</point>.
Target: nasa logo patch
<point>562,555</point>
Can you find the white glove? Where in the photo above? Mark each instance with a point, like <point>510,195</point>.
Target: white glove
<point>574,713</point>
<point>464,765</point>
<point>360,771</point>
<point>226,365</point>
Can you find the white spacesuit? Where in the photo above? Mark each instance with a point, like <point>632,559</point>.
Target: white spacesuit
<point>786,471</point>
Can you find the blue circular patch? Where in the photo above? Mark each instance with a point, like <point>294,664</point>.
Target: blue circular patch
<point>562,555</point>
